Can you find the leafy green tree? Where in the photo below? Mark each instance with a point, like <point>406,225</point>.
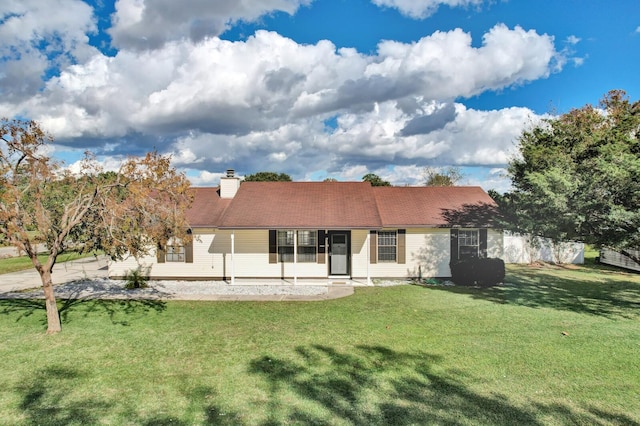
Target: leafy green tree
<point>268,177</point>
<point>375,180</point>
<point>126,212</point>
<point>578,176</point>
<point>449,176</point>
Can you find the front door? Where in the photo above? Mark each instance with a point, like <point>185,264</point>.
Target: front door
<point>338,253</point>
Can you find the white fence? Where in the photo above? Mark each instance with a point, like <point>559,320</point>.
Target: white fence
<point>611,257</point>
<point>528,249</point>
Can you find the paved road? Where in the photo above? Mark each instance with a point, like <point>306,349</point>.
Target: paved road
<point>13,252</point>
<point>87,268</point>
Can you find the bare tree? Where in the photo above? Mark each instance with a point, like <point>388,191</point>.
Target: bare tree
<point>127,212</point>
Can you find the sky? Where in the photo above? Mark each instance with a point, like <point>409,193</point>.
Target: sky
<point>313,88</point>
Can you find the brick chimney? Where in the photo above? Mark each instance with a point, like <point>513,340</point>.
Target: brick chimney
<point>229,184</point>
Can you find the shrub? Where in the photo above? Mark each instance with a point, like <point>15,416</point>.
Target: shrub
<point>476,271</point>
<point>135,278</point>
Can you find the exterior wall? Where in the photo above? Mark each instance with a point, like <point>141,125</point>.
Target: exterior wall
<point>252,258</point>
<point>427,255</point>
<point>204,266</point>
<point>212,260</point>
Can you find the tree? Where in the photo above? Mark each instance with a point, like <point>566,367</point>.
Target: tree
<point>375,180</point>
<point>268,177</point>
<point>127,212</point>
<point>449,176</point>
<point>578,176</point>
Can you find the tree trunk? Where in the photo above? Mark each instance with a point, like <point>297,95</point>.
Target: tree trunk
<point>53,318</point>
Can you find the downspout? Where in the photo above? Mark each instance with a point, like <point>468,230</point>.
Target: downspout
<point>233,257</point>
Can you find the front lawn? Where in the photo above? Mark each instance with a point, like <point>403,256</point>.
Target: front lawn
<point>553,346</point>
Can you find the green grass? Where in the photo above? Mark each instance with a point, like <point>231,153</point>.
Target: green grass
<point>554,346</point>
<point>23,263</point>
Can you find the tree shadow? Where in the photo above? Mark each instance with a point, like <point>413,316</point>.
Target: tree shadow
<point>589,289</point>
<point>478,215</point>
<point>121,311</point>
<point>21,307</point>
<point>49,397</point>
<point>579,289</point>
<point>375,385</point>
<point>46,401</point>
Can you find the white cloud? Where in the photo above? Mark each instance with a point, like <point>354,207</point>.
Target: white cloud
<point>420,9</point>
<point>148,24</point>
<point>270,84</point>
<point>38,36</point>
<point>205,178</point>
<point>573,39</point>
<point>261,104</point>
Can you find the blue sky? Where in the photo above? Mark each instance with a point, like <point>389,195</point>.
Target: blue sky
<point>315,89</point>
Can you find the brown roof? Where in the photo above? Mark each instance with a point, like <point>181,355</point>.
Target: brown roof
<point>340,205</point>
<point>312,205</point>
<point>401,207</point>
<point>207,207</point>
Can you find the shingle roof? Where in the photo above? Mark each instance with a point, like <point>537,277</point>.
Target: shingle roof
<point>311,205</point>
<point>339,205</point>
<point>207,207</point>
<point>401,207</point>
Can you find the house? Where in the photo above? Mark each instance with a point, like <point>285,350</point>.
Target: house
<point>328,230</point>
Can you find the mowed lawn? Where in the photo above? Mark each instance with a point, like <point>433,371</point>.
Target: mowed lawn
<point>553,346</point>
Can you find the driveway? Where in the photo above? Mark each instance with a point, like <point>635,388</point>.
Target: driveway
<point>13,252</point>
<point>87,268</point>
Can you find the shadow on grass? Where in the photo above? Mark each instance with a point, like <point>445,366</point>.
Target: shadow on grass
<point>51,397</point>
<point>588,289</point>
<point>45,399</point>
<point>374,385</point>
<point>120,311</point>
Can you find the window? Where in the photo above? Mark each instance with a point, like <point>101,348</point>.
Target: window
<point>387,246</point>
<point>175,254</point>
<point>306,246</point>
<point>468,243</point>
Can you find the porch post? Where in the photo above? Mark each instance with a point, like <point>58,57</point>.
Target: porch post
<point>233,260</point>
<point>368,250</point>
<point>295,257</point>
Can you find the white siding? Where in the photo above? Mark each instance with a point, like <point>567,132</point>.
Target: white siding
<point>427,255</point>
<point>252,259</point>
<point>359,253</point>
<point>611,257</point>
<point>205,263</point>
